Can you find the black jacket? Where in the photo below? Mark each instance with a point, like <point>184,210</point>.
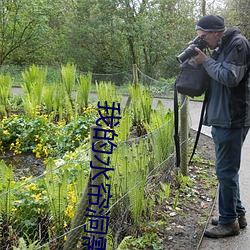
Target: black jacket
<point>229,90</point>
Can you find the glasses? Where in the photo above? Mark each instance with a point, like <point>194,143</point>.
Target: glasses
<point>203,36</point>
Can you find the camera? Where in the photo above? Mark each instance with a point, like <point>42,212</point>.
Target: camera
<point>190,51</point>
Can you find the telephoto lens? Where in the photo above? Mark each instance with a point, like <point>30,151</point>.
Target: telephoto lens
<point>190,50</point>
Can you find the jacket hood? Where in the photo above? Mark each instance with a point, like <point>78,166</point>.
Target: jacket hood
<point>233,31</point>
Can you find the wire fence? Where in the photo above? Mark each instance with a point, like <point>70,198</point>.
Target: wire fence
<point>48,204</point>
<point>158,87</point>
<point>117,78</point>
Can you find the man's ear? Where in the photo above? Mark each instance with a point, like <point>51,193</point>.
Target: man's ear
<point>219,34</point>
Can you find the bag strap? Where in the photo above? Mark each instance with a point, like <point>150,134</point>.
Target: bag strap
<point>199,127</point>
<point>176,126</point>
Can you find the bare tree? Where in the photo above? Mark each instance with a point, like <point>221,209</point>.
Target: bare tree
<point>20,22</point>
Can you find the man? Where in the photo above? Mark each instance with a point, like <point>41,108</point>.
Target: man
<point>228,112</point>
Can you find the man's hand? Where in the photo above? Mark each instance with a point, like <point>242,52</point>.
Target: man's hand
<point>200,58</point>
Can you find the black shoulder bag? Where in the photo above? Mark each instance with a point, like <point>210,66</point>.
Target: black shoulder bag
<point>191,81</point>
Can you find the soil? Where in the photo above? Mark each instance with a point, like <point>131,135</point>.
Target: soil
<point>25,164</point>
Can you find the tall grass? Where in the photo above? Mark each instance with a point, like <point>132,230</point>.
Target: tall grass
<point>33,86</point>
<point>56,184</point>
<point>5,90</point>
<point>48,98</point>
<point>68,74</point>
<point>6,197</point>
<point>161,132</point>
<point>106,91</point>
<point>131,169</point>
<point>141,103</point>
<point>83,91</point>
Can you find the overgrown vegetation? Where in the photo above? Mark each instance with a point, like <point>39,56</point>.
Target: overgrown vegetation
<point>36,211</point>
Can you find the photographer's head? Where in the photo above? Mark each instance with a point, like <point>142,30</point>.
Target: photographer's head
<point>211,28</point>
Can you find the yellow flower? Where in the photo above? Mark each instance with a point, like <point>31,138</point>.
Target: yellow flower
<point>38,155</point>
<point>31,187</point>
<point>26,178</point>
<point>6,132</point>
<point>12,145</point>
<point>14,209</point>
<point>73,199</point>
<point>69,211</point>
<point>37,196</point>
<point>45,151</point>
<point>17,152</point>
<point>71,194</point>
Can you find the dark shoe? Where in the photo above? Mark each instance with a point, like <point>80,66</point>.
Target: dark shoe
<point>241,219</point>
<point>221,231</point>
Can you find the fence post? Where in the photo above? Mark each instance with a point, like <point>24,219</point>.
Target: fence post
<point>135,74</point>
<point>80,218</point>
<point>135,82</point>
<point>184,135</point>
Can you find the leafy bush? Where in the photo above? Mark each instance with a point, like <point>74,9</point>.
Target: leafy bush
<point>41,136</point>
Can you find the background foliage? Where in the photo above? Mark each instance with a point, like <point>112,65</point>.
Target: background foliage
<point>106,36</point>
